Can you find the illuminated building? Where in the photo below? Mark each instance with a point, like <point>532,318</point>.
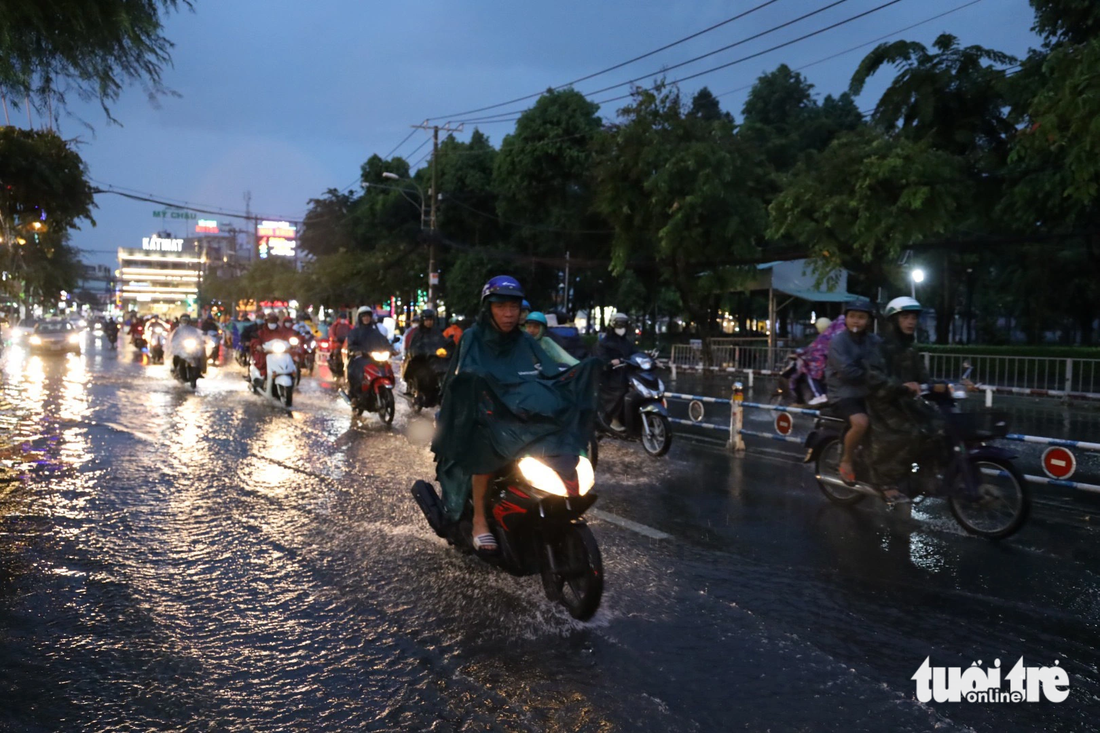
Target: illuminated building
<point>161,277</point>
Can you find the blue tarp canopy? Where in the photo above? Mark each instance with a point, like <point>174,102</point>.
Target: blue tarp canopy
<point>799,279</point>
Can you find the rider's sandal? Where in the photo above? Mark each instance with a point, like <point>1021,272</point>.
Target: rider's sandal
<point>892,502</point>
<point>848,477</point>
<point>485,543</point>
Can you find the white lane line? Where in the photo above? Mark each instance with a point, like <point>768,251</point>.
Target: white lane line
<point>641,529</point>
<point>136,433</point>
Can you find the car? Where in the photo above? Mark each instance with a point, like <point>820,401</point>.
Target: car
<point>55,336</point>
<point>22,329</point>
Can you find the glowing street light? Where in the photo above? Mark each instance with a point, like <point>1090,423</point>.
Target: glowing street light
<point>916,276</point>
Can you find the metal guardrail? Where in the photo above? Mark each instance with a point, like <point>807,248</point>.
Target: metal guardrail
<point>736,432</point>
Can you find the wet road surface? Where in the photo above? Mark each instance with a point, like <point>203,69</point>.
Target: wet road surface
<point>179,561</point>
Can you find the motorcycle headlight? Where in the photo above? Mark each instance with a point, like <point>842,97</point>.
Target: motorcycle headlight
<point>35,340</point>
<point>541,476</point>
<point>74,338</point>
<point>278,347</point>
<point>645,363</point>
<point>294,341</point>
<point>441,353</point>
<point>586,475</point>
<point>190,344</point>
<point>380,355</point>
<point>643,390</point>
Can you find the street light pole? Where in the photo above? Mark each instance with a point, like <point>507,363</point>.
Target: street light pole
<point>434,193</point>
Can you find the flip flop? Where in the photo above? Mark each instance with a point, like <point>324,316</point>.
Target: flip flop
<point>891,503</point>
<point>848,477</point>
<point>486,543</point>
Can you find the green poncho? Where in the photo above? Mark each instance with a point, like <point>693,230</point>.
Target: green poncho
<point>504,398</point>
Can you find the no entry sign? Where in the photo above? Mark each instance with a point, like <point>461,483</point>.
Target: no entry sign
<point>783,423</point>
<point>1059,462</point>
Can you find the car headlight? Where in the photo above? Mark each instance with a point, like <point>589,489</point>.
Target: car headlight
<point>380,355</point>
<point>643,390</point>
<point>35,340</point>
<point>294,341</point>
<point>190,344</point>
<point>441,353</point>
<point>74,338</point>
<point>278,347</point>
<point>541,476</point>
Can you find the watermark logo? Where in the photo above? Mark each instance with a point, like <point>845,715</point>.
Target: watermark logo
<point>975,684</point>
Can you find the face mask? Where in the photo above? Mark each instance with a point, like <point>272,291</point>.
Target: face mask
<point>273,326</point>
<point>620,331</point>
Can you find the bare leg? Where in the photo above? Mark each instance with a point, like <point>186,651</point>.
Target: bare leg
<point>852,439</point>
<point>481,489</point>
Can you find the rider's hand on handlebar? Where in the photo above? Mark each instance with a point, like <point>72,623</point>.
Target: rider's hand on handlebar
<point>940,388</point>
<point>616,362</point>
<point>912,387</point>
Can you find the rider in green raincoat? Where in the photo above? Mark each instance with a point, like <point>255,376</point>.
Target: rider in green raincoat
<point>505,398</point>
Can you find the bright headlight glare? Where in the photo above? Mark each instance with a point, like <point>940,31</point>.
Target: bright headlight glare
<point>380,355</point>
<point>35,340</point>
<point>541,476</point>
<point>278,347</point>
<point>441,353</point>
<point>294,341</point>
<point>190,344</point>
<point>74,339</point>
<point>586,476</point>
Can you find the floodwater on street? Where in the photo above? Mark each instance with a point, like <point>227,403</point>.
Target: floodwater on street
<point>173,560</point>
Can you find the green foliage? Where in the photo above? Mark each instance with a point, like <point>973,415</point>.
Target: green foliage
<point>1070,21</point>
<point>325,229</point>
<point>88,47</point>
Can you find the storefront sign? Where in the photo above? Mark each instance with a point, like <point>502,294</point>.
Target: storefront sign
<point>161,244</point>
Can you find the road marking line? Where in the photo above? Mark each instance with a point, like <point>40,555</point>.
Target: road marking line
<point>641,529</point>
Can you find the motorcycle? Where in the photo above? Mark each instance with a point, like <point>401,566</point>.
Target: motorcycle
<point>986,492</point>
<point>645,414</point>
<point>281,375</point>
<point>213,346</point>
<point>187,365</point>
<point>110,335</point>
<point>804,391</point>
<point>536,514</point>
<point>336,361</point>
<point>375,394</point>
<point>137,336</point>
<point>425,388</point>
<point>244,356</point>
<point>155,344</point>
<point>305,355</point>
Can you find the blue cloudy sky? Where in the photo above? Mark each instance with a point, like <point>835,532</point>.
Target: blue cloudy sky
<point>286,98</point>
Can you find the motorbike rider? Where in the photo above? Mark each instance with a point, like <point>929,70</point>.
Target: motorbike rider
<point>425,341</point>
<point>614,349</point>
<point>238,327</point>
<point>903,422</point>
<point>852,353</point>
<point>338,334</point>
<point>816,356</point>
<point>272,330</point>
<point>362,340</point>
<point>110,330</point>
<point>537,326</point>
<point>453,331</point>
<point>185,330</point>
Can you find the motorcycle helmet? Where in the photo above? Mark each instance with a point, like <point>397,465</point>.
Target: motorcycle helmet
<point>185,319</point>
<point>859,303</point>
<point>501,288</point>
<point>427,314</point>
<point>365,310</point>
<point>537,317</point>
<point>901,305</point>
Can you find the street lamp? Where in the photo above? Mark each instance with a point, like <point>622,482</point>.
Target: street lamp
<point>916,276</point>
<point>431,243</point>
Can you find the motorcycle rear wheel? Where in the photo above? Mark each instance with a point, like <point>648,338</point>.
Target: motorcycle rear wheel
<point>659,438</point>
<point>828,464</point>
<point>579,592</point>
<point>1004,503</point>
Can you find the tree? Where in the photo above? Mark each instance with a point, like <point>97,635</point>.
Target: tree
<point>325,229</point>
<point>1069,21</point>
<point>683,191</point>
<point>88,47</point>
<point>705,106</point>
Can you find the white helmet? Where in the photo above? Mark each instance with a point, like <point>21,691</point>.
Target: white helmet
<point>822,324</point>
<point>362,310</point>
<point>902,305</point>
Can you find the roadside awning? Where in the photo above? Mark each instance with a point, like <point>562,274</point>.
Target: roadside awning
<point>798,279</point>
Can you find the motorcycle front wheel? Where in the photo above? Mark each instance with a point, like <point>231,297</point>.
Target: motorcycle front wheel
<point>828,466</point>
<point>388,408</point>
<point>1002,504</point>
<point>580,587</point>
<point>658,439</point>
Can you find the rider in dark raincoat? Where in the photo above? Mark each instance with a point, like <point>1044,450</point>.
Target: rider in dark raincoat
<point>503,399</point>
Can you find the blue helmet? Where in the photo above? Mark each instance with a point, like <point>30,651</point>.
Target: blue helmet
<point>502,287</point>
<point>537,317</point>
<point>859,303</point>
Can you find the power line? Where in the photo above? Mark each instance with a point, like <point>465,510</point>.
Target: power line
<point>396,147</point>
<point>759,53</point>
<point>862,45</point>
<point>196,209</point>
<point>616,66</point>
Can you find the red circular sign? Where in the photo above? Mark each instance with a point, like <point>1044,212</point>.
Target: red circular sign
<point>783,423</point>
<point>1059,462</point>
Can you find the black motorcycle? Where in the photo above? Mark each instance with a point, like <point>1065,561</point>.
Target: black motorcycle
<point>110,334</point>
<point>535,512</point>
<point>644,412</point>
<point>188,364</point>
<point>336,361</point>
<point>986,492</point>
<point>424,374</point>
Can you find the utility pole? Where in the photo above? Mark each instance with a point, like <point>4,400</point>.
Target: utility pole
<point>432,275</point>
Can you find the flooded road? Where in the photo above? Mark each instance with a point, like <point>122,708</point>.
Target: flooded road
<point>173,560</point>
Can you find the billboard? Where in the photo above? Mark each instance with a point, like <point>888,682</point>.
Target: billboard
<point>276,239</point>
